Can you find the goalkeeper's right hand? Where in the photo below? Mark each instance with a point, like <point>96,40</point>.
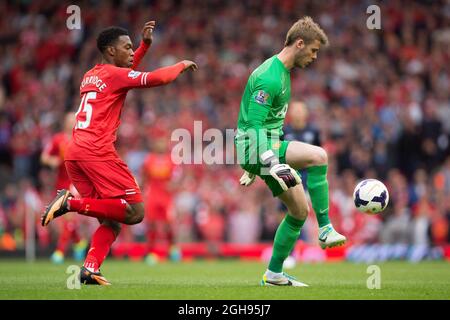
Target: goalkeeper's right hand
<point>247,179</point>
<point>285,175</point>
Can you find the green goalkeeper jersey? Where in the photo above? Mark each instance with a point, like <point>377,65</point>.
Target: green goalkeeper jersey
<point>264,105</point>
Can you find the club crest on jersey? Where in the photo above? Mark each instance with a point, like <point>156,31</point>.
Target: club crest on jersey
<point>133,74</point>
<point>262,97</point>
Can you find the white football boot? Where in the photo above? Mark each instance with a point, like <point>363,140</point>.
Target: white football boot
<point>280,279</point>
<point>329,238</point>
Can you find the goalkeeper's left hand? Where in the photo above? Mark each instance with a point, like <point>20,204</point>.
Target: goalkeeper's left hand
<point>247,179</point>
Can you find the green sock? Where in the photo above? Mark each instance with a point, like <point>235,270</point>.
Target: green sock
<point>318,190</point>
<point>285,238</point>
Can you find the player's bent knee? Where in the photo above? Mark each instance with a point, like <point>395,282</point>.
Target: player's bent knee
<point>299,215</point>
<point>320,157</point>
<point>137,214</point>
<point>299,211</point>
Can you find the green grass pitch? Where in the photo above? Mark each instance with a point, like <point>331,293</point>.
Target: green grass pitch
<point>225,280</point>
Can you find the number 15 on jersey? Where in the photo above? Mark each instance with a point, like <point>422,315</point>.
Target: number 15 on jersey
<point>86,108</point>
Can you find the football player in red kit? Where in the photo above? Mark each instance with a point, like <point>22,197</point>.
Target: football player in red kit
<point>53,153</point>
<point>108,189</point>
<point>158,175</point>
<point>53,156</point>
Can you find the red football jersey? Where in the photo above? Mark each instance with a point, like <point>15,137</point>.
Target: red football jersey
<point>158,170</point>
<point>103,92</point>
<point>57,147</point>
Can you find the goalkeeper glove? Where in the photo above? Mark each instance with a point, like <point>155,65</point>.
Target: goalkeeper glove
<point>282,173</point>
<point>247,179</point>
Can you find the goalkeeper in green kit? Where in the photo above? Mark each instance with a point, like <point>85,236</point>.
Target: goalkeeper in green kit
<point>261,152</point>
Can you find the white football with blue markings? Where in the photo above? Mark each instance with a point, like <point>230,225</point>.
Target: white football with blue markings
<point>371,196</point>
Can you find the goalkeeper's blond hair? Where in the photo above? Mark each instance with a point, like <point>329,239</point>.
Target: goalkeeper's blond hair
<point>307,30</point>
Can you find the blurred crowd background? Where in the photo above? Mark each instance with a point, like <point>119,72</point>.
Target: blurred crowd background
<point>377,100</point>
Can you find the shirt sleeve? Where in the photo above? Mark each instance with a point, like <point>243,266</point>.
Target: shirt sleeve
<point>139,54</point>
<point>51,148</point>
<point>126,78</point>
<point>261,101</point>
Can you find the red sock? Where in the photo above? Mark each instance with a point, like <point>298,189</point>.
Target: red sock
<point>101,242</point>
<point>64,238</point>
<point>169,234</point>
<point>151,239</point>
<point>75,236</point>
<point>112,209</point>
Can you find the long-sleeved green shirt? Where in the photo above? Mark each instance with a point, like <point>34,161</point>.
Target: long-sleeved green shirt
<point>264,106</point>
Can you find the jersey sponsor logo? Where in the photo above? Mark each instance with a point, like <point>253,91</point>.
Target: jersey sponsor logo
<point>261,97</point>
<point>133,74</point>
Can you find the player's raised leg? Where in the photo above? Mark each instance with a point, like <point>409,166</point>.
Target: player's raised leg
<point>112,209</point>
<point>300,155</point>
<point>103,198</point>
<point>98,200</point>
<point>286,236</point>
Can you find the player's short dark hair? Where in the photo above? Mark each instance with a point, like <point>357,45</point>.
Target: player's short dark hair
<point>108,36</point>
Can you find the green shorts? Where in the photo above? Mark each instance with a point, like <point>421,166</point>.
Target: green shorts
<point>256,167</point>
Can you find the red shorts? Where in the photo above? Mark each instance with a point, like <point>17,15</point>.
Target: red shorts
<point>104,180</point>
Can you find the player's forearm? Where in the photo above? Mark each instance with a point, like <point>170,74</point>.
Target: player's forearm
<point>139,54</point>
<point>164,75</point>
<point>51,161</point>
